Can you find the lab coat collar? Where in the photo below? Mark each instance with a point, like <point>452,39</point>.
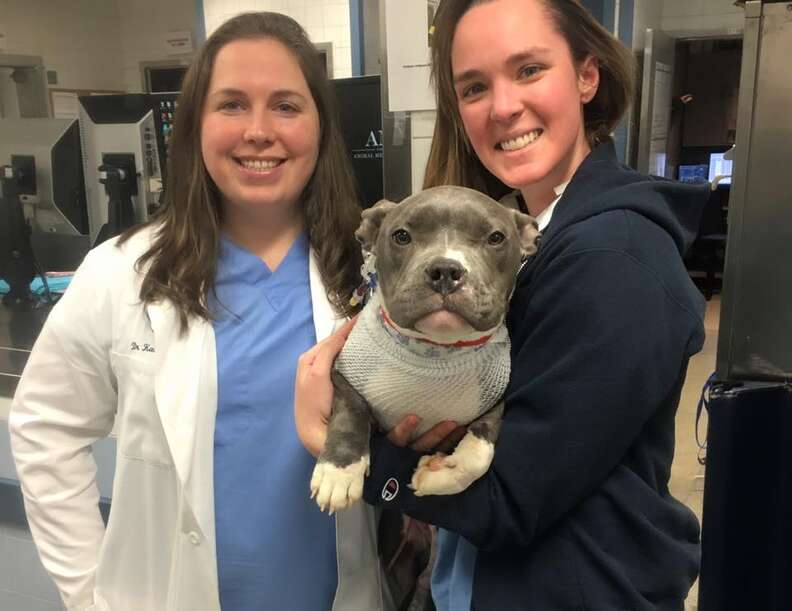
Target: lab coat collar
<point>325,318</point>
<point>185,392</point>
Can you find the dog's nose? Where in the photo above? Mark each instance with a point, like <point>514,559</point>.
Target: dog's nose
<point>445,275</point>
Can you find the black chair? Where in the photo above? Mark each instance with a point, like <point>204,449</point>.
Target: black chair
<point>708,252</point>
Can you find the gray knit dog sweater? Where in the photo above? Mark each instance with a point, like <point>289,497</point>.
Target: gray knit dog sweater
<point>399,375</point>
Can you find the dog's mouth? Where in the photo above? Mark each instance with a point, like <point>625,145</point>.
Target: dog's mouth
<point>459,316</point>
<point>442,327</point>
<point>444,324</point>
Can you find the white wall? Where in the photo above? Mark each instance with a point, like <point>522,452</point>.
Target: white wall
<point>80,39</point>
<point>143,25</point>
<point>95,44</point>
<point>421,130</point>
<point>647,14</point>
<point>686,18</point>
<point>689,18</point>
<point>324,20</point>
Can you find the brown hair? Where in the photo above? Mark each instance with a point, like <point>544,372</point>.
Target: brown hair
<point>182,259</point>
<point>452,159</point>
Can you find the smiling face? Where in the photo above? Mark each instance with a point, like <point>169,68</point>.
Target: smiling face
<point>520,95</point>
<point>260,129</point>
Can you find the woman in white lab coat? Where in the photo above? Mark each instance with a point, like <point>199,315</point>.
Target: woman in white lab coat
<point>257,169</point>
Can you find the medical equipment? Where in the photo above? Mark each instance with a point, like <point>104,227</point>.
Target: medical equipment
<point>121,160</point>
<point>47,153</point>
<point>17,264</point>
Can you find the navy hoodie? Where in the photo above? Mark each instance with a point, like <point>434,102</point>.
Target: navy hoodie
<point>575,512</point>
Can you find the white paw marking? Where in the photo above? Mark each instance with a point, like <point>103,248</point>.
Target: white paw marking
<point>338,487</point>
<point>470,460</point>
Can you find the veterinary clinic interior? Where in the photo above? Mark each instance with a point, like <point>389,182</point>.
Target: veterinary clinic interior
<point>88,94</point>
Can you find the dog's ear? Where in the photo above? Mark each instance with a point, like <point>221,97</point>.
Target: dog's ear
<point>528,231</point>
<point>371,221</point>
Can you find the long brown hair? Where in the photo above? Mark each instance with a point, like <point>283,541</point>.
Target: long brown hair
<point>181,262</point>
<point>452,160</point>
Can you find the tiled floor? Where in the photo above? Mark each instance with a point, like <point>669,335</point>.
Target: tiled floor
<point>687,475</point>
<point>24,586</point>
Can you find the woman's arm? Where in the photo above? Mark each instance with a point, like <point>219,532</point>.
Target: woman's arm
<point>65,401</point>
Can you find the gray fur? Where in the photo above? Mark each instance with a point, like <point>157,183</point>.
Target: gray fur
<point>487,426</point>
<point>349,427</point>
<point>451,261</point>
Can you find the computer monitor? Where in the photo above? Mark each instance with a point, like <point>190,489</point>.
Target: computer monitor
<point>718,166</point>
<point>693,173</point>
<point>53,193</point>
<point>360,113</point>
<point>57,193</point>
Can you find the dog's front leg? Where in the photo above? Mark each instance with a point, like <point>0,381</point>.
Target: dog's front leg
<point>337,480</point>
<point>469,461</point>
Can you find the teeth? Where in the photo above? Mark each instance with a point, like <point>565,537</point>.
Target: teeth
<point>521,142</point>
<point>258,165</point>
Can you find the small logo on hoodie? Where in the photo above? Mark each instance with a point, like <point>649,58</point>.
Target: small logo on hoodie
<point>390,489</point>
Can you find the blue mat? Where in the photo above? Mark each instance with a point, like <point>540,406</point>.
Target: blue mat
<point>56,285</point>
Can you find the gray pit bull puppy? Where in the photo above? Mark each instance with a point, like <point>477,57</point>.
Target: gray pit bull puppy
<point>431,340</point>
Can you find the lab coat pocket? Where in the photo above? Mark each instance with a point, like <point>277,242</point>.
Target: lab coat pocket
<point>138,425</point>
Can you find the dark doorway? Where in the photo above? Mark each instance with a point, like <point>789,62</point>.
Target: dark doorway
<point>163,80</point>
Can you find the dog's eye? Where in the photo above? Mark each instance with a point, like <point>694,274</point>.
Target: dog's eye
<point>495,238</point>
<point>401,237</point>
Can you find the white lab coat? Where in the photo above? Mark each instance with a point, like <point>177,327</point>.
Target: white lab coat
<point>102,359</point>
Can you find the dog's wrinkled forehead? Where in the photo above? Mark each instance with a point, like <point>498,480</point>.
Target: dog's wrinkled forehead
<point>453,210</point>
<point>447,207</point>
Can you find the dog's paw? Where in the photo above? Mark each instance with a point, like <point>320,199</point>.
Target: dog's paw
<point>440,474</point>
<point>338,487</point>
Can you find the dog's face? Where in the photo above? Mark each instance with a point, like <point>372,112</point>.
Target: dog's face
<point>447,259</point>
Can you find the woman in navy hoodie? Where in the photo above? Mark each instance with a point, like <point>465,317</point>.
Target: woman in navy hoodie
<point>575,511</point>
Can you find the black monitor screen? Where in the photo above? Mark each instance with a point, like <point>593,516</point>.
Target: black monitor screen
<point>360,112</point>
<point>700,155</point>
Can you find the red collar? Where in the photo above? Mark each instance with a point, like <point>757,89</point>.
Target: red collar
<point>461,344</point>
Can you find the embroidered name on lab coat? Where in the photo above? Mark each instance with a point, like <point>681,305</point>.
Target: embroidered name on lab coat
<point>135,347</point>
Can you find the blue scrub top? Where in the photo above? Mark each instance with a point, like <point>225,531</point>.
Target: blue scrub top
<point>275,549</point>
<point>452,576</point>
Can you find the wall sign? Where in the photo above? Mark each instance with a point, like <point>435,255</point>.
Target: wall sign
<point>178,43</point>
<point>407,25</point>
